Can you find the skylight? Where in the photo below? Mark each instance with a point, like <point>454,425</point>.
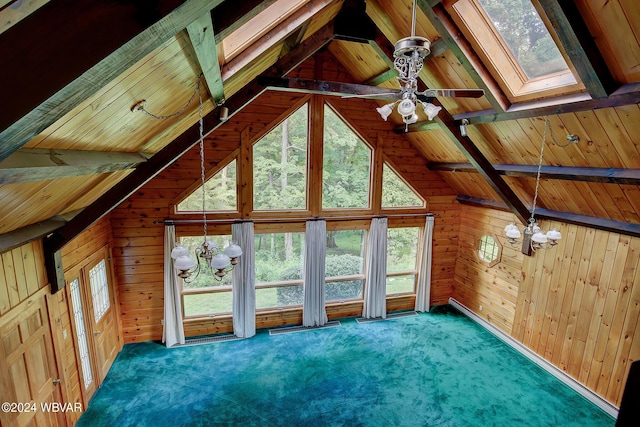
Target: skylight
<point>529,41</point>
<point>515,45</point>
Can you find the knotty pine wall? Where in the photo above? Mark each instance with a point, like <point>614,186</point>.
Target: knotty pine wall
<point>22,274</point>
<point>576,305</point>
<point>138,228</point>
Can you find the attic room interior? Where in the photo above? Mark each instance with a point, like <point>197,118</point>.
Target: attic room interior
<point>355,160</point>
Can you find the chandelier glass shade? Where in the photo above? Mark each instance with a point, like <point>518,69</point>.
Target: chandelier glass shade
<point>537,238</point>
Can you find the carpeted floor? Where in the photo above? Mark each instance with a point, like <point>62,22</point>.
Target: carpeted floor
<point>435,369</point>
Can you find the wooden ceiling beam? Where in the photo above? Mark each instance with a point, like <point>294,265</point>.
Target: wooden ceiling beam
<point>628,94</point>
<point>146,171</point>
<point>568,173</point>
<point>204,45</point>
<point>483,166</point>
<point>71,66</point>
<point>580,46</point>
<point>29,165</point>
<point>626,228</point>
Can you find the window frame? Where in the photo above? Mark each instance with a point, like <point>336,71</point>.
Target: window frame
<point>476,25</point>
<point>372,155</point>
<point>415,271</point>
<point>350,226</point>
<point>478,249</point>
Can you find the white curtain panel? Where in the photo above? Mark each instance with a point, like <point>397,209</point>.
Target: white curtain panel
<point>244,282</point>
<point>375,303</point>
<point>173,330</point>
<point>423,293</point>
<point>313,310</point>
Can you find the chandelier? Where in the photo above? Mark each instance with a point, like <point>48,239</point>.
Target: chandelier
<point>221,262</point>
<point>533,234</point>
<point>409,54</point>
<point>207,255</point>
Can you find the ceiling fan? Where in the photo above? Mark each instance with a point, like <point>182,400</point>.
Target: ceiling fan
<point>409,54</point>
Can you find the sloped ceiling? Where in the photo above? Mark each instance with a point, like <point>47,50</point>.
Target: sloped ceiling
<point>73,145</point>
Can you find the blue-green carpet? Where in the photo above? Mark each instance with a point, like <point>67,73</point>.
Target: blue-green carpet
<point>435,369</point>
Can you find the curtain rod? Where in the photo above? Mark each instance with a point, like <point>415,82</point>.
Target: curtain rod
<point>275,220</point>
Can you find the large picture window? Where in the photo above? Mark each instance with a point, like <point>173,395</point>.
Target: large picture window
<point>402,260</point>
<point>344,265</point>
<point>279,260</point>
<point>203,295</point>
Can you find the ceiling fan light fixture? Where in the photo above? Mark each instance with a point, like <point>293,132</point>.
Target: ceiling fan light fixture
<point>410,119</point>
<point>386,110</point>
<point>430,110</point>
<point>406,107</point>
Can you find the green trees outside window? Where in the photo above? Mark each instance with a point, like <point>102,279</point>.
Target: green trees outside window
<point>280,165</point>
<point>346,167</point>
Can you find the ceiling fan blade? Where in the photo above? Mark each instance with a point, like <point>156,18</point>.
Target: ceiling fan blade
<point>388,95</point>
<point>456,93</point>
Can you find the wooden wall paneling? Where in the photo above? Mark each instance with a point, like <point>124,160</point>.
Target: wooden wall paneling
<point>611,304</point>
<point>590,265</point>
<point>600,279</point>
<point>245,178</point>
<point>11,282</point>
<point>613,340</point>
<point>558,295</point>
<point>628,331</point>
<point>576,279</point>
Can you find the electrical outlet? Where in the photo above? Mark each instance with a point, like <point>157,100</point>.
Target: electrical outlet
<point>64,334</point>
<point>480,308</point>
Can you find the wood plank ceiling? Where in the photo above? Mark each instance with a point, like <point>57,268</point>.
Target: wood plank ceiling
<point>72,145</point>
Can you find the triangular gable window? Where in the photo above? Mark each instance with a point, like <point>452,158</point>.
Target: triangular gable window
<point>346,170</point>
<point>396,193</point>
<point>220,192</point>
<point>280,165</point>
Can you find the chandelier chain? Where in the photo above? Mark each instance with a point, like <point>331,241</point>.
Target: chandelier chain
<point>535,194</point>
<point>202,169</point>
<point>196,91</point>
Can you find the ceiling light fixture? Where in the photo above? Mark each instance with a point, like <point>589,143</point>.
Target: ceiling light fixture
<point>188,268</point>
<point>409,54</point>
<point>534,237</point>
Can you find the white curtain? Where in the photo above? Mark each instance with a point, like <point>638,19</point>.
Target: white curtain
<point>173,330</point>
<point>423,294</point>
<point>244,281</point>
<point>375,304</point>
<point>313,310</point>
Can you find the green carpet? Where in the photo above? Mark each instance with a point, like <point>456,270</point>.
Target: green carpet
<point>435,369</point>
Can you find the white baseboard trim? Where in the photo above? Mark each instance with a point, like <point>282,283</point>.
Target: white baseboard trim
<point>603,404</point>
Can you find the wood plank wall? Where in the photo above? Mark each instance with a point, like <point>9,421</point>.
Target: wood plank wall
<point>577,305</point>
<point>138,229</point>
